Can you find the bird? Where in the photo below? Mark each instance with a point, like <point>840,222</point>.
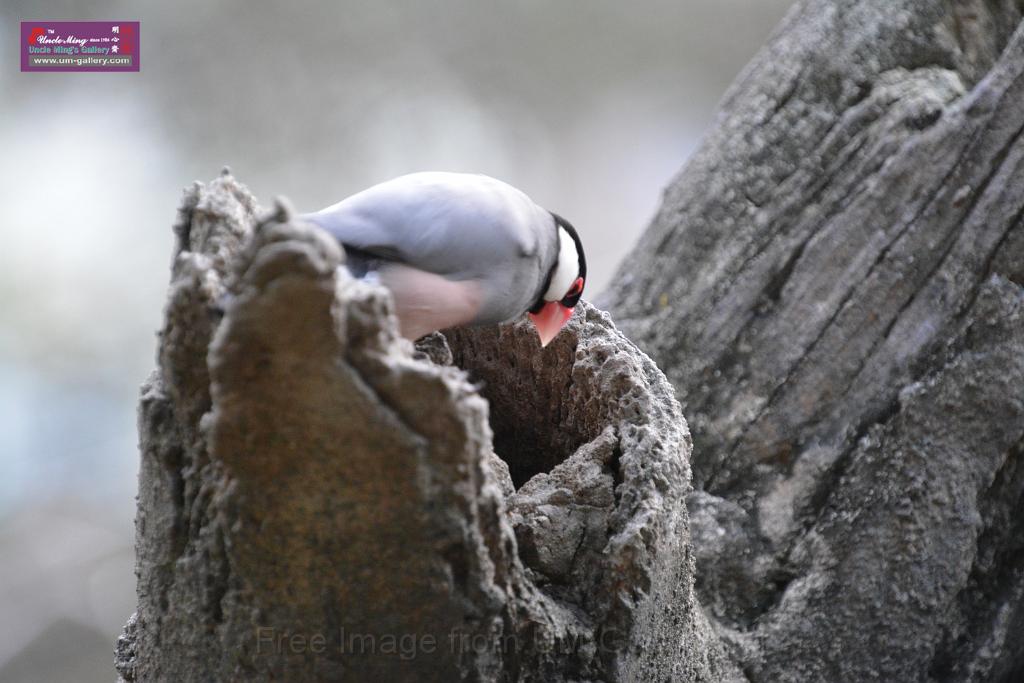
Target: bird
<point>460,249</point>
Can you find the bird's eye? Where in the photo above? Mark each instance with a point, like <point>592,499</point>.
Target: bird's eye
<point>573,295</point>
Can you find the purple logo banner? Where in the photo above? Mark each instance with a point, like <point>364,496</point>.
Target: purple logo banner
<point>79,46</point>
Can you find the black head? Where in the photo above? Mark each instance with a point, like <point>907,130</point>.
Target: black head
<point>576,291</point>
<point>570,277</point>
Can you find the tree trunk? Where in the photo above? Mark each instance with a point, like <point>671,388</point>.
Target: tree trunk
<point>318,501</point>
<point>833,286</point>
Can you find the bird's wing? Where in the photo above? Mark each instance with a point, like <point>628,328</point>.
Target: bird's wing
<point>452,224</point>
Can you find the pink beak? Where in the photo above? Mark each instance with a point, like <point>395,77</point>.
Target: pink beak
<point>550,320</point>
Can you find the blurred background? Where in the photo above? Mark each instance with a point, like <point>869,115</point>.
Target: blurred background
<point>590,106</point>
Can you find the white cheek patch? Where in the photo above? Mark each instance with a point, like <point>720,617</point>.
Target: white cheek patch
<point>567,270</point>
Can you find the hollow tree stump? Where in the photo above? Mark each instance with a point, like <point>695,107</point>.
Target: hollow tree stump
<point>318,500</point>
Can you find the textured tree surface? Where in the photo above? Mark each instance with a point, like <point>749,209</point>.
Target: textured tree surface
<point>321,501</point>
<point>833,286</point>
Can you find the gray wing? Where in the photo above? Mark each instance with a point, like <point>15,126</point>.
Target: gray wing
<point>459,225</point>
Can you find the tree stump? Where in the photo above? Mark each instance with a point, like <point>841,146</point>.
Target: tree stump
<point>321,501</point>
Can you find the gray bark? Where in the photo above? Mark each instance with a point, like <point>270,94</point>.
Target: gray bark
<point>833,286</point>
<point>320,501</point>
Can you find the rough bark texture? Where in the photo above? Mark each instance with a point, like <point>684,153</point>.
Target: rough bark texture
<point>833,285</point>
<point>318,500</point>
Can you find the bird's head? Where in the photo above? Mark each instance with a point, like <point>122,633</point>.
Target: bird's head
<point>563,285</point>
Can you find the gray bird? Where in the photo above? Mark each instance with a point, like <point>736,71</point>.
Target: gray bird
<point>460,249</point>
